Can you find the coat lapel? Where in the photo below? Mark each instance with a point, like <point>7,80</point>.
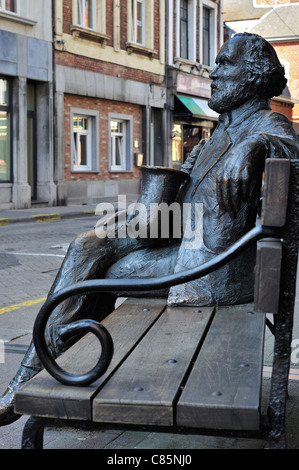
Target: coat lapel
<point>208,158</point>
<point>210,155</point>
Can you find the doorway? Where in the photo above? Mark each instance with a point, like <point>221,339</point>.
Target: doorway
<point>156,138</point>
<point>31,140</point>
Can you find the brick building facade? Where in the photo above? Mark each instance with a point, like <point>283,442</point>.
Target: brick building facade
<point>110,96</point>
<point>135,74</point>
<point>91,89</point>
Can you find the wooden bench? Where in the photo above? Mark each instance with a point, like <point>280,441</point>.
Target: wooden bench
<point>187,369</point>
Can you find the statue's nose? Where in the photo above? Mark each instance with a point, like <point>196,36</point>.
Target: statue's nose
<point>213,73</point>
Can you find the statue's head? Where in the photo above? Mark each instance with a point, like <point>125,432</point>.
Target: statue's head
<point>246,66</point>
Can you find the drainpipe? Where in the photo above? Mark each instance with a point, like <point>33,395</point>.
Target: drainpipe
<point>167,161</point>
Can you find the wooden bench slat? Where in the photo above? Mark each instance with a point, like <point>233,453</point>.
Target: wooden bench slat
<point>224,387</point>
<point>44,396</point>
<point>144,388</point>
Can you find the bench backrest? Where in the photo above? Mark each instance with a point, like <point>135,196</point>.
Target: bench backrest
<point>269,251</point>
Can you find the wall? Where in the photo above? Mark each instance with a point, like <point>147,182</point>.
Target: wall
<point>26,54</point>
<point>284,108</point>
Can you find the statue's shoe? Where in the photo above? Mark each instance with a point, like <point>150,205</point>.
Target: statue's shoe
<point>7,414</point>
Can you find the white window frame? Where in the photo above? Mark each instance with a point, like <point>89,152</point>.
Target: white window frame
<point>191,30</point>
<point>81,6</point>
<point>127,149</point>
<point>92,133</point>
<point>3,8</point>
<point>118,139</point>
<point>286,65</point>
<point>76,144</point>
<point>135,22</point>
<point>213,31</point>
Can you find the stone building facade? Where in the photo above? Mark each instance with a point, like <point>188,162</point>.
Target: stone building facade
<point>26,104</point>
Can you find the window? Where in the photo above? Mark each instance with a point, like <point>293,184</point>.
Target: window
<point>121,154</point>
<point>138,21</point>
<point>9,5</point>
<point>118,150</point>
<point>140,27</point>
<point>86,14</point>
<point>208,33</point>
<point>82,147</point>
<point>85,140</point>
<point>186,29</point>
<point>5,130</point>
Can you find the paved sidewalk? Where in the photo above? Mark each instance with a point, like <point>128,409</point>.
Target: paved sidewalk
<point>117,439</point>
<point>43,214</point>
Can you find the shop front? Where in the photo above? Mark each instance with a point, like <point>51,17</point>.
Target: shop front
<point>193,120</point>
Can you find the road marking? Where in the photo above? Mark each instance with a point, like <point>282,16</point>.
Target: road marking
<point>46,217</point>
<point>36,254</point>
<point>4,222</point>
<point>27,303</point>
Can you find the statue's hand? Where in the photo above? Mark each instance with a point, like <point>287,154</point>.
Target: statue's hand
<point>241,172</point>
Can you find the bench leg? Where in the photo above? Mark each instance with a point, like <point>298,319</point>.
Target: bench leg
<point>279,387</point>
<point>33,433</point>
<point>284,319</point>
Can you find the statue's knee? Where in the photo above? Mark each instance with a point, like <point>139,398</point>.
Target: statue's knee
<point>78,243</point>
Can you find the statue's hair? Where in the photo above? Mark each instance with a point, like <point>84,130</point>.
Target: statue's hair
<point>262,62</point>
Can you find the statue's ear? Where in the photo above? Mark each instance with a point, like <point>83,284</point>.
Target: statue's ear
<point>255,80</point>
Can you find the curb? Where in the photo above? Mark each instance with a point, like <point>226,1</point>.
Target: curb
<point>37,218</point>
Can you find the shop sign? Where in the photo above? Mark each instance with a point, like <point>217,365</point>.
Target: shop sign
<point>194,85</point>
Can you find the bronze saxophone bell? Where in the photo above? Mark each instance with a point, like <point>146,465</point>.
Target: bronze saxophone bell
<point>158,185</point>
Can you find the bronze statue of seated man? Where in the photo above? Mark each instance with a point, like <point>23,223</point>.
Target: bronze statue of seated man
<point>225,177</point>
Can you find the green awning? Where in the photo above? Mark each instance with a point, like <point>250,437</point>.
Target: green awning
<point>196,106</point>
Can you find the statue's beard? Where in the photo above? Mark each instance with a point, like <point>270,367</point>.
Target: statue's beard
<point>224,99</point>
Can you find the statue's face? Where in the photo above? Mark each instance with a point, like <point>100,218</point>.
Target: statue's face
<point>230,77</point>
